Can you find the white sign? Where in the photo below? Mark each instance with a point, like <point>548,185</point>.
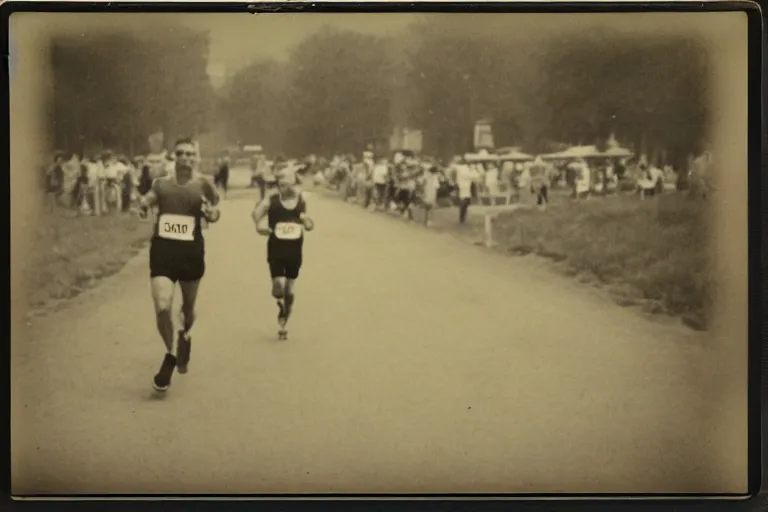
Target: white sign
<point>483,135</point>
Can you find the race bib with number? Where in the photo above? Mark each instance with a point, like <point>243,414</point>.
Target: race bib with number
<point>288,230</point>
<point>176,227</point>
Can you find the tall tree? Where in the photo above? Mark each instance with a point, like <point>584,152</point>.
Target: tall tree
<point>340,90</point>
<point>341,93</point>
<point>652,93</point>
<point>113,90</point>
<point>254,105</point>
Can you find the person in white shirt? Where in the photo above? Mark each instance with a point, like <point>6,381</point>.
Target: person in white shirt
<point>95,171</point>
<point>110,166</point>
<point>431,185</point>
<point>380,178</point>
<point>365,181</point>
<point>492,180</point>
<point>112,170</point>
<point>540,175</point>
<point>657,177</point>
<point>409,172</point>
<point>584,179</point>
<point>651,180</point>
<point>465,178</point>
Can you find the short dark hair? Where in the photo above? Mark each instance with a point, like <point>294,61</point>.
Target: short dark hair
<point>184,140</point>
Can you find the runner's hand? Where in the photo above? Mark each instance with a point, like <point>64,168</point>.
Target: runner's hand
<point>143,207</point>
<point>210,212</point>
<point>309,224</point>
<point>263,231</point>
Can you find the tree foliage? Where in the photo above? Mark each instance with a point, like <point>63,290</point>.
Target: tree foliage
<point>342,90</point>
<point>334,94</point>
<point>114,89</point>
<point>651,93</point>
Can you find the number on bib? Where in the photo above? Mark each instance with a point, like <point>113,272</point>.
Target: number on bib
<point>288,230</point>
<point>176,227</point>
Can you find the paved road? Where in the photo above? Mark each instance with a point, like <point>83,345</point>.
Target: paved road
<point>416,363</point>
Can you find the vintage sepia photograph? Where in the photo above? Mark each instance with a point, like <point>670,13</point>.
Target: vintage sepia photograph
<point>378,253</point>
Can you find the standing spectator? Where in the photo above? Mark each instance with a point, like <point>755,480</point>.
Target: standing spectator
<point>222,175</point>
<point>55,183</point>
<point>465,178</point>
<point>257,180</point>
<point>540,182</point>
<point>93,173</point>
<point>380,179</point>
<point>619,169</point>
<point>583,179</point>
<point>113,170</point>
<point>491,179</point>
<point>126,185</point>
<point>477,169</point>
<point>431,186</point>
<point>367,181</point>
<point>80,188</point>
<point>145,180</point>
<point>657,176</point>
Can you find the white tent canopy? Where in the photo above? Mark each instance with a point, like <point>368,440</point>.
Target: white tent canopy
<point>516,156</point>
<point>589,152</point>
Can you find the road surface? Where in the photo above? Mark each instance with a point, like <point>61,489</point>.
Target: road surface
<point>416,363</point>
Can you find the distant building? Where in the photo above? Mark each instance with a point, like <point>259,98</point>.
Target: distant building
<point>406,138</point>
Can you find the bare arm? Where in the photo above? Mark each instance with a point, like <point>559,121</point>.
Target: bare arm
<point>259,212</point>
<point>149,199</point>
<point>210,193</point>
<point>210,201</point>
<point>308,223</point>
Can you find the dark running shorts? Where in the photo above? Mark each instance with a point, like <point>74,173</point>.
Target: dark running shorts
<point>288,268</point>
<point>177,263</point>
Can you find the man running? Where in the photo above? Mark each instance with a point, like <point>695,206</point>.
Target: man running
<point>177,251</point>
<point>287,219</point>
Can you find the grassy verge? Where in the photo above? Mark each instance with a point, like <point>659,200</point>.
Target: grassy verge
<point>70,255</point>
<point>653,254</point>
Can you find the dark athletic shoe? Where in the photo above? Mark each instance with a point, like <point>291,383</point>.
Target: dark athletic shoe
<point>183,351</point>
<point>162,380</point>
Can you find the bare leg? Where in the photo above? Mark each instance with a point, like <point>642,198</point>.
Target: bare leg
<point>278,292</point>
<point>162,294</point>
<point>189,297</point>
<point>289,297</point>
